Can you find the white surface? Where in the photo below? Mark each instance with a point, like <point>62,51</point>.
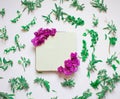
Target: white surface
<point>82,82</point>
<point>51,54</point>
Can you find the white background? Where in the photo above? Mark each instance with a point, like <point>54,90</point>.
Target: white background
<point>82,82</point>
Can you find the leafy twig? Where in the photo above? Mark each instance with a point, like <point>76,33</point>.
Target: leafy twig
<point>30,5</point>
<point>42,83</point>
<point>91,66</point>
<point>95,20</point>
<point>107,83</point>
<point>27,27</point>
<point>86,95</point>
<point>2,12</point>
<point>84,52</point>
<point>76,5</point>
<point>12,48</point>
<point>54,97</point>
<point>16,18</point>
<point>48,18</point>
<point>68,83</point>
<point>99,4</point>
<point>18,83</point>
<point>112,59</point>
<point>4,95</point>
<point>3,33</point>
<point>4,64</point>
<point>24,62</point>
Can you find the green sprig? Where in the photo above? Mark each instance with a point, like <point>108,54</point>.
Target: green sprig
<point>18,45</point>
<point>99,4</point>
<point>48,18</point>
<point>74,21</point>
<point>12,48</point>
<point>54,97</point>
<point>27,27</point>
<point>68,83</point>
<point>92,63</point>
<point>4,95</point>
<point>111,28</point>
<point>84,52</point>
<point>18,83</point>
<point>42,83</point>
<point>112,59</point>
<point>2,12</point>
<point>4,64</point>
<point>76,5</point>
<point>95,20</point>
<point>24,62</point>
<point>112,41</point>
<point>94,37</point>
<point>105,82</point>
<point>86,95</point>
<point>16,18</point>
<point>58,12</point>
<point>30,5</point>
<point>3,33</point>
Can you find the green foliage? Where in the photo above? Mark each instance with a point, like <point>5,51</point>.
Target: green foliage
<point>92,63</point>
<point>54,97</point>
<point>99,4</point>
<point>16,18</point>
<point>85,95</point>
<point>3,34</point>
<point>95,20</point>
<point>2,12</point>
<point>48,18</point>
<point>112,40</point>
<point>31,5</point>
<point>24,62</point>
<point>18,45</point>
<point>111,28</point>
<point>84,52</point>
<point>4,95</point>
<point>31,23</point>
<point>18,83</point>
<point>68,83</point>
<point>76,5</point>
<point>42,83</point>
<point>106,83</point>
<point>110,61</point>
<point>4,64</point>
<point>94,38</point>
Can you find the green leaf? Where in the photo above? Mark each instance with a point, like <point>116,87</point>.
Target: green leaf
<point>68,83</point>
<point>42,83</point>
<point>4,95</point>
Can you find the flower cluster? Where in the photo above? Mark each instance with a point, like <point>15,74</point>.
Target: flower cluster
<point>41,35</point>
<point>70,65</point>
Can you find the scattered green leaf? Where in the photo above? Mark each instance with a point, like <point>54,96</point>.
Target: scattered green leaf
<point>95,20</point>
<point>18,83</point>
<point>4,95</point>
<point>2,12</point>
<point>3,34</point>
<point>42,83</point>
<point>68,83</point>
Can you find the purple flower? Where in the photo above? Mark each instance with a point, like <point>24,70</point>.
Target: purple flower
<point>41,35</point>
<point>70,65</point>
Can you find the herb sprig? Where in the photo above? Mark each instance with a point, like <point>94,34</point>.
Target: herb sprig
<point>99,4</point>
<point>42,82</point>
<point>95,20</point>
<point>68,83</point>
<point>86,95</point>
<point>4,64</point>
<point>31,23</point>
<point>2,12</point>
<point>31,5</point>
<point>84,52</point>
<point>18,83</point>
<point>16,18</point>
<point>112,59</point>
<point>76,5</point>
<point>105,82</point>
<point>3,33</point>
<point>24,62</point>
<point>18,45</point>
<point>94,37</point>
<point>92,63</point>
<point>4,95</point>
